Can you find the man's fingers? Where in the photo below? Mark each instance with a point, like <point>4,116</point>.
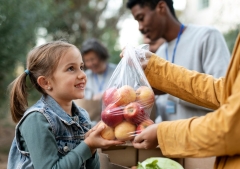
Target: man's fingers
<point>121,54</point>
<point>139,145</point>
<point>138,139</point>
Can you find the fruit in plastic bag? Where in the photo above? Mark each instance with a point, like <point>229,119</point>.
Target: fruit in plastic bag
<point>125,131</point>
<point>109,96</point>
<point>145,96</point>
<point>108,132</point>
<point>134,113</point>
<point>112,115</point>
<point>125,95</point>
<point>130,93</point>
<point>144,124</point>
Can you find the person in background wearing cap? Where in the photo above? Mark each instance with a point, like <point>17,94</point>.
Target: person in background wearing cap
<point>198,48</point>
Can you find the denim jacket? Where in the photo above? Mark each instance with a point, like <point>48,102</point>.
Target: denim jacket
<point>68,132</point>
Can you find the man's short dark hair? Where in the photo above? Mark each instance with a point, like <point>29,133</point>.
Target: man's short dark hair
<point>152,4</point>
<point>95,46</point>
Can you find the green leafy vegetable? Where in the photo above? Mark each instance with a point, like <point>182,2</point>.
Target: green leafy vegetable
<point>159,163</point>
<point>140,166</point>
<point>153,165</point>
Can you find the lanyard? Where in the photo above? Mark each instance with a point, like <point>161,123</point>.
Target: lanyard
<point>100,85</point>
<point>175,47</point>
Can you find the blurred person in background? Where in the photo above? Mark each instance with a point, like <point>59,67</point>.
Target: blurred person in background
<point>99,70</point>
<point>194,47</point>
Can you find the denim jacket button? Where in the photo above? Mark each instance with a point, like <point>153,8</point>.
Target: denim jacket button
<point>65,149</point>
<point>76,119</point>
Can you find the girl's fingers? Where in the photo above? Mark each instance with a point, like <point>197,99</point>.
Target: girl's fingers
<point>92,129</point>
<point>98,129</point>
<point>96,126</point>
<point>109,143</point>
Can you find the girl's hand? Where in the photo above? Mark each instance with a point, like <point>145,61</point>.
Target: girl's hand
<point>92,130</point>
<point>94,139</point>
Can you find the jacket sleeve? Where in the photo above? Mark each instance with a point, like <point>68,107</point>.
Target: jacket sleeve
<point>215,58</point>
<point>93,162</point>
<point>191,86</point>
<point>215,134</point>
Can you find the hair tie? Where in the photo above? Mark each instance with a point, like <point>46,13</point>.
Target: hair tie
<point>27,71</point>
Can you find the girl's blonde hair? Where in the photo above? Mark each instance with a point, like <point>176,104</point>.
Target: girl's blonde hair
<point>41,61</point>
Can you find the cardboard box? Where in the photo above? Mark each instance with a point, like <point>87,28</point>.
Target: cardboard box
<point>122,155</point>
<point>127,156</point>
<point>106,164</point>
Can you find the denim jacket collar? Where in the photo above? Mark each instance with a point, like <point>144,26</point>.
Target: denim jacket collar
<point>52,104</point>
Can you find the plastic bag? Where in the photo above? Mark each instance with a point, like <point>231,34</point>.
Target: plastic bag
<point>128,100</point>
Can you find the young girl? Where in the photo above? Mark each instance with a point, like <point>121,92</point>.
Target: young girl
<point>54,132</point>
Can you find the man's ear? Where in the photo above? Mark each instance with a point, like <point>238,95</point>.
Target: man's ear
<point>161,7</point>
<point>43,82</point>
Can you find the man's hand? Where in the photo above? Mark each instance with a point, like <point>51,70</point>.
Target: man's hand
<point>147,139</point>
<point>143,55</point>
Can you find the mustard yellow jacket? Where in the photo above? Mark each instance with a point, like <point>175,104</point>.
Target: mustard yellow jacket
<point>215,134</point>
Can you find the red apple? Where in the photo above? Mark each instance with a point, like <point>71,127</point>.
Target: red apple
<point>134,113</point>
<point>125,131</point>
<point>145,96</point>
<point>124,95</point>
<point>108,96</point>
<point>144,124</point>
<point>112,115</point>
<point>108,132</point>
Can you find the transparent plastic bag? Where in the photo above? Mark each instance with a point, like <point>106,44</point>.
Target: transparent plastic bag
<point>128,100</point>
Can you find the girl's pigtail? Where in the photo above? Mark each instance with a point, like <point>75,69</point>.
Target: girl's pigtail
<point>18,97</point>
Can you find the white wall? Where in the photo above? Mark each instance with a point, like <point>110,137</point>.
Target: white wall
<point>222,14</point>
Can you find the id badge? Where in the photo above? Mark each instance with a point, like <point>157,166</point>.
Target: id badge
<point>170,107</point>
